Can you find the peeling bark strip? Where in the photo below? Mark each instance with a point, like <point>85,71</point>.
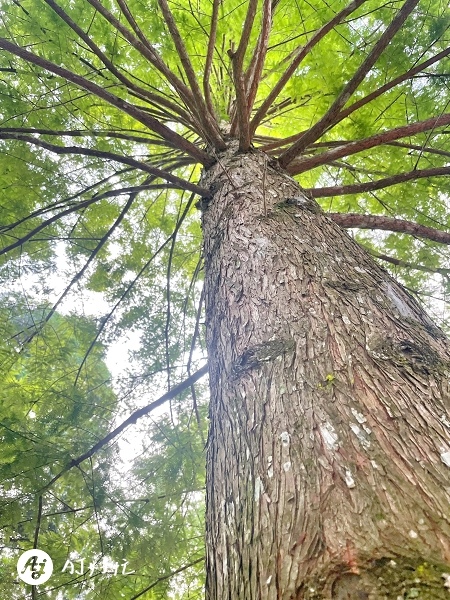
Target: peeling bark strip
<point>329,448</point>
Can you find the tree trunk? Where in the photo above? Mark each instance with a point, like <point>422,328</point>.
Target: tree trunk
<point>329,448</point>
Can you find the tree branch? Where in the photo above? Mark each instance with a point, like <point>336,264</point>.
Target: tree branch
<point>370,186</point>
<point>209,55</point>
<point>349,220</point>
<point>403,263</point>
<point>168,576</point>
<point>237,59</point>
<point>207,120</point>
<point>175,391</point>
<point>143,46</point>
<point>155,99</point>
<point>176,181</point>
<point>299,54</point>
<point>301,165</point>
<point>252,76</point>
<point>165,132</point>
<point>388,86</point>
<point>326,121</point>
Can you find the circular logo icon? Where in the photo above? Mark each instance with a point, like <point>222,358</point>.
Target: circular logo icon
<point>34,567</point>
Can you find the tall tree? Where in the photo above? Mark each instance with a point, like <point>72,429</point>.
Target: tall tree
<point>329,446</point>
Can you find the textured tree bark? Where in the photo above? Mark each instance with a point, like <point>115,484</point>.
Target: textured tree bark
<point>328,468</point>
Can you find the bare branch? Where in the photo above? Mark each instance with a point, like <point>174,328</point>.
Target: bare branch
<point>133,283</point>
<point>155,99</point>
<point>388,86</point>
<point>144,139</point>
<point>209,55</point>
<point>165,132</point>
<point>252,76</point>
<point>209,125</point>
<point>237,60</point>
<point>327,120</point>
<point>176,181</point>
<point>85,267</point>
<point>168,576</point>
<point>359,221</point>
<point>21,241</point>
<point>299,55</point>
<point>149,52</point>
<point>301,165</point>
<point>370,186</point>
<point>141,412</point>
<point>403,263</point>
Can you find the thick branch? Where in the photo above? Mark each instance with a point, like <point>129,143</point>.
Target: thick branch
<point>155,99</point>
<point>252,76</point>
<point>325,122</point>
<point>359,221</point>
<point>300,54</point>
<point>301,165</point>
<point>149,52</point>
<point>388,86</point>
<point>370,186</point>
<point>165,132</point>
<point>209,55</point>
<point>237,59</point>
<point>176,181</point>
<point>207,120</point>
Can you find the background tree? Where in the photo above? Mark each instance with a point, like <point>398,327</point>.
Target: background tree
<point>329,446</point>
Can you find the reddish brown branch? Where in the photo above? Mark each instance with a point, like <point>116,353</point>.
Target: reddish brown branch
<point>165,132</point>
<point>301,165</point>
<point>300,53</point>
<point>237,59</point>
<point>207,120</point>
<point>209,55</point>
<point>388,86</point>
<point>359,221</point>
<point>327,120</point>
<point>370,186</point>
<point>252,76</point>
<point>154,99</point>
<point>149,52</point>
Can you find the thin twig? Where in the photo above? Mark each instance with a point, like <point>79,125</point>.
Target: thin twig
<point>177,181</point>
<point>207,120</point>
